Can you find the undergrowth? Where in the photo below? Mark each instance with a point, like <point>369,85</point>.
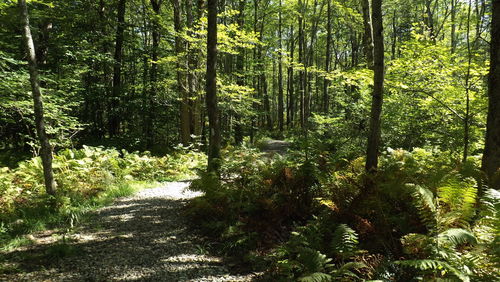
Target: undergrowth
<point>428,218</point>
<point>86,179</point>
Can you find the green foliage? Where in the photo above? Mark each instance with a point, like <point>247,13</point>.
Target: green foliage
<point>304,258</point>
<point>446,250</point>
<point>254,202</point>
<point>86,178</point>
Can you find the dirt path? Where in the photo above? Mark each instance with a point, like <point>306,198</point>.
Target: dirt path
<point>139,238</point>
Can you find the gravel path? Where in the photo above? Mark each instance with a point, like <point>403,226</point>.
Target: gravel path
<point>139,238</point>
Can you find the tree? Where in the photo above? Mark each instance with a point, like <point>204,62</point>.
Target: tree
<point>491,156</point>
<point>280,73</point>
<point>114,114</point>
<point>181,79</point>
<point>46,149</point>
<point>378,87</point>
<point>211,90</point>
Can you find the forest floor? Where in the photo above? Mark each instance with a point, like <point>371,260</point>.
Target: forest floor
<point>139,238</point>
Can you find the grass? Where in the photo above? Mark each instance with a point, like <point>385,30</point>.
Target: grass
<point>41,217</point>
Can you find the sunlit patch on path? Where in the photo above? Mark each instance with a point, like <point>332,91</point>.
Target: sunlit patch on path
<point>139,238</point>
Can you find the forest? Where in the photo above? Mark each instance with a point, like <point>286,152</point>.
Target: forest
<point>250,140</point>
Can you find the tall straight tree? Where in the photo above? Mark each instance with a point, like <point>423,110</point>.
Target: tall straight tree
<point>114,104</point>
<point>46,149</point>
<point>491,156</point>
<point>367,33</point>
<point>240,68</point>
<point>181,78</point>
<point>280,74</point>
<point>378,87</point>
<point>211,90</point>
<point>326,82</point>
<point>153,74</point>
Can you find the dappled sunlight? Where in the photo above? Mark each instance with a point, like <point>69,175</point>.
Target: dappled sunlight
<point>143,237</point>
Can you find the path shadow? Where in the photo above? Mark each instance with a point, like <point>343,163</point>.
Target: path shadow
<point>133,240</point>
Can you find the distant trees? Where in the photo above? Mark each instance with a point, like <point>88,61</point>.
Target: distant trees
<point>46,149</point>
<point>491,156</point>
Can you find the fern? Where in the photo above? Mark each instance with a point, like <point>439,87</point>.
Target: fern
<point>313,260</point>
<point>316,277</point>
<point>457,236</point>
<point>344,241</point>
<point>436,267</point>
<point>347,269</point>
<point>424,201</point>
<point>457,197</point>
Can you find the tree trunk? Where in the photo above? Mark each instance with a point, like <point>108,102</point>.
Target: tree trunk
<point>326,82</point>
<point>378,87</point>
<point>211,90</point>
<point>301,60</point>
<point>114,104</point>
<point>240,68</point>
<point>467,116</point>
<point>491,156</point>
<point>291,100</point>
<point>46,149</point>
<point>367,33</point>
<point>453,26</point>
<point>280,76</point>
<point>181,78</point>
<point>153,73</point>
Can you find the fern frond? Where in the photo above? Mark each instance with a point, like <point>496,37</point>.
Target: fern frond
<point>440,267</point>
<point>344,241</point>
<point>459,195</point>
<point>457,236</point>
<point>347,269</point>
<point>312,260</point>
<point>316,277</point>
<point>424,201</point>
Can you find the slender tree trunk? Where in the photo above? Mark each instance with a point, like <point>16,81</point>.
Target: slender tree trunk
<point>46,148</point>
<point>181,78</point>
<point>491,156</point>
<point>240,68</point>
<point>301,60</point>
<point>211,90</point>
<point>453,26</point>
<point>429,20</point>
<point>192,80</point>
<point>378,88</point>
<point>467,89</point>
<point>280,75</point>
<point>291,100</point>
<point>394,36</point>
<point>326,82</point>
<point>114,110</point>
<point>367,33</point>
<point>153,73</point>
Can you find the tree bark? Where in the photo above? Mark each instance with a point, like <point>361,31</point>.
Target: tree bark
<point>114,104</point>
<point>211,90</point>
<point>453,26</point>
<point>181,78</point>
<point>153,73</point>
<point>46,148</point>
<point>280,75</point>
<point>378,88</point>
<point>240,68</point>
<point>326,82</point>
<point>290,90</point>
<point>367,33</point>
<point>491,156</point>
